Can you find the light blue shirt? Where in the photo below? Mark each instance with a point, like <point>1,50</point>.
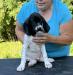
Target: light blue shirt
<point>60,16</point>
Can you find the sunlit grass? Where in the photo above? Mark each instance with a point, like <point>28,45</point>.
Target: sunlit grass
<point>13,50</point>
<point>10,49</point>
<point>71,50</point>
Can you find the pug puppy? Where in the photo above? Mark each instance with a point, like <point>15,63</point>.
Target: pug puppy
<point>35,25</point>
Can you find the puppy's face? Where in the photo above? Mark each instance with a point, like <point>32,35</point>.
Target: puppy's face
<point>34,24</point>
<point>39,27</point>
<point>37,23</point>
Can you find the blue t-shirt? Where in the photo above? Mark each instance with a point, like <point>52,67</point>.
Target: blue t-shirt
<point>60,15</point>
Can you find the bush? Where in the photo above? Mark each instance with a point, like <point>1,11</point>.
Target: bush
<point>8,11</point>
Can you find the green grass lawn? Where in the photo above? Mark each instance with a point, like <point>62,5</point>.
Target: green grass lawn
<point>71,50</point>
<point>10,49</point>
<point>13,50</point>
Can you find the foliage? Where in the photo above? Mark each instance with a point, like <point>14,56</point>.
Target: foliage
<point>8,11</point>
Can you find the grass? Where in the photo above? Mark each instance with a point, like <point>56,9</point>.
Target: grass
<point>13,50</point>
<point>10,49</point>
<point>71,50</point>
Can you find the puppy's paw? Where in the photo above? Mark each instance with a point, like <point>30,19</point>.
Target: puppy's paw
<point>51,60</point>
<point>21,67</point>
<point>32,63</point>
<point>48,65</point>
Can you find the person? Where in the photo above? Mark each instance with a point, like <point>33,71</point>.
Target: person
<point>57,41</point>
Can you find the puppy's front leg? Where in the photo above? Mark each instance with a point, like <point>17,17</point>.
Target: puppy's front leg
<point>45,57</point>
<point>21,67</point>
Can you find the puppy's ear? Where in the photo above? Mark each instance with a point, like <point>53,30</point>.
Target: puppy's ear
<point>46,26</point>
<point>28,26</point>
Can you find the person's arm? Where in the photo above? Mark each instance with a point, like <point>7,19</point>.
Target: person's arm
<point>65,37</point>
<point>19,31</point>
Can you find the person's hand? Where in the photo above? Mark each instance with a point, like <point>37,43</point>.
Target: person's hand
<point>44,38</point>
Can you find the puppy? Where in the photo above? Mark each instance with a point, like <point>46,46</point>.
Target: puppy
<point>35,25</point>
